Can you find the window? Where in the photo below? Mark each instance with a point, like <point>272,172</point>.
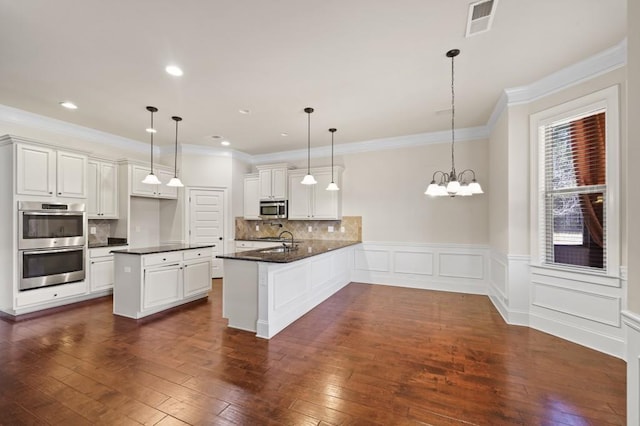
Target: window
<point>576,182</point>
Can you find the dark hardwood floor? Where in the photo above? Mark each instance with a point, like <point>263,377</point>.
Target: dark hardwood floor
<point>368,355</point>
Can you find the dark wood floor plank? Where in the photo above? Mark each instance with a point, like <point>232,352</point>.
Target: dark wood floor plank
<point>369,355</point>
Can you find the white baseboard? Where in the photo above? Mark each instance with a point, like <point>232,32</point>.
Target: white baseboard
<point>631,323</point>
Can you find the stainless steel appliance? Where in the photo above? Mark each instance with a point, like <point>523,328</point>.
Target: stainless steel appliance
<point>42,268</point>
<point>273,209</point>
<point>46,225</point>
<point>51,243</point>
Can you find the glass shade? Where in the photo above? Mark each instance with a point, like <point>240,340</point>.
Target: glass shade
<point>465,190</point>
<point>151,179</point>
<point>332,187</point>
<point>453,187</point>
<point>308,180</point>
<point>432,189</point>
<point>175,182</point>
<point>475,188</point>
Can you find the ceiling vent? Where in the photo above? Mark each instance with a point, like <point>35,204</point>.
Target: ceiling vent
<point>480,16</point>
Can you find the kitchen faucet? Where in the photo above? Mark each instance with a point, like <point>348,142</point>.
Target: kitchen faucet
<point>284,244</point>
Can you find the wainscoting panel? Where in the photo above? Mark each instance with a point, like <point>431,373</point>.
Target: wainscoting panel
<point>458,268</point>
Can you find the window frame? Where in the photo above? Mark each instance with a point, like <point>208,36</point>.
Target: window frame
<point>607,100</point>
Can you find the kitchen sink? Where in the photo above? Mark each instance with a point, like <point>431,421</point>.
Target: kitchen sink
<point>279,249</point>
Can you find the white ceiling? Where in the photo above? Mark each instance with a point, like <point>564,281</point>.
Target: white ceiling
<point>371,68</point>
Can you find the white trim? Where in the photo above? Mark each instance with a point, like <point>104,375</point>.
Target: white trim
<point>631,324</point>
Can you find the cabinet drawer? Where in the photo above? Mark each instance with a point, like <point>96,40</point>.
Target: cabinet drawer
<point>50,294</point>
<point>197,254</point>
<point>162,258</point>
<point>104,251</point>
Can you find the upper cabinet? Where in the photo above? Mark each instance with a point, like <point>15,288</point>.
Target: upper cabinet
<point>314,202</point>
<point>51,173</point>
<point>102,196</point>
<point>137,188</point>
<point>251,197</point>
<point>272,182</point>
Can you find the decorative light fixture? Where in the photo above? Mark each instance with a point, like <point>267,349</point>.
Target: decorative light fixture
<point>308,179</point>
<point>174,70</point>
<point>451,184</point>
<point>151,179</point>
<point>332,186</point>
<point>174,181</point>
<point>68,105</point>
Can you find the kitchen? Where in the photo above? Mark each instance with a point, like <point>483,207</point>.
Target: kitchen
<point>406,241</point>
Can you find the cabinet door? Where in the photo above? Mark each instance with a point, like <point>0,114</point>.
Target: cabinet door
<point>165,191</point>
<point>324,203</point>
<point>101,273</point>
<point>108,188</point>
<point>251,198</point>
<point>279,184</point>
<point>36,170</point>
<point>137,187</point>
<point>93,189</point>
<point>264,178</point>
<point>72,175</point>
<point>161,286</point>
<point>197,277</point>
<point>298,198</point>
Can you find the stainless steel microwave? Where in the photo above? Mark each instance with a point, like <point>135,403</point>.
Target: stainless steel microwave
<point>273,209</point>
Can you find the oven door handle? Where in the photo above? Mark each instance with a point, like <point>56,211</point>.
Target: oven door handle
<point>61,250</point>
<point>39,213</point>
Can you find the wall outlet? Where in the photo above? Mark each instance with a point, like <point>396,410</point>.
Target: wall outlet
<point>310,229</point>
<point>92,230</point>
<point>330,228</point>
<point>127,269</point>
<point>342,229</point>
<point>257,227</point>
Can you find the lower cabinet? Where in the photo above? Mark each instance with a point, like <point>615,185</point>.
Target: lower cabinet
<point>147,284</point>
<point>100,270</point>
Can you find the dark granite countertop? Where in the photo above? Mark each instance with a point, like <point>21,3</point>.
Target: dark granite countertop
<point>304,249</point>
<point>161,249</point>
<point>99,245</point>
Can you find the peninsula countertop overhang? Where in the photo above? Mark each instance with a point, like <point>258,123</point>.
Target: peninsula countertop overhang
<point>303,250</point>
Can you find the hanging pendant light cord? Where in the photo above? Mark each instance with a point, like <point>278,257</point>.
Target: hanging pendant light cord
<point>453,118</point>
<point>332,155</point>
<point>151,171</point>
<point>308,143</point>
<point>175,156</point>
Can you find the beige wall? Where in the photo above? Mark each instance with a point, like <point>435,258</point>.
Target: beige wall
<point>499,180</point>
<point>387,189</point>
<point>633,154</point>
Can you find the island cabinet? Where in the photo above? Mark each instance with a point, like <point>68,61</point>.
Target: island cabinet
<point>314,202</point>
<point>153,279</point>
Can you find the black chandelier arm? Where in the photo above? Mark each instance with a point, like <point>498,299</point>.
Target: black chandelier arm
<point>444,178</point>
<point>461,174</point>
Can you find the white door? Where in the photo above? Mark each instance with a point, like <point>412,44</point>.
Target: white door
<point>206,223</point>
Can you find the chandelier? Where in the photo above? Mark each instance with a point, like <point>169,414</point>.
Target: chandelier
<point>452,184</point>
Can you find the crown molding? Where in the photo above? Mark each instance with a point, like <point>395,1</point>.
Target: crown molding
<point>601,63</point>
<point>214,152</point>
<point>24,118</point>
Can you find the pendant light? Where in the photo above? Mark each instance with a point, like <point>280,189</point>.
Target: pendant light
<point>451,184</point>
<point>151,179</point>
<point>174,180</point>
<point>332,186</point>
<point>308,179</point>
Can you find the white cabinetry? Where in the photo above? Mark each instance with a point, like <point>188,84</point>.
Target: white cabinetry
<point>102,196</point>
<point>314,202</point>
<point>146,284</point>
<point>273,182</point>
<point>251,197</point>
<point>101,275</point>
<point>138,173</point>
<point>50,173</point>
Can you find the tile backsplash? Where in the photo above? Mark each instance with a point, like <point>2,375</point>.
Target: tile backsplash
<point>103,231</point>
<point>246,229</point>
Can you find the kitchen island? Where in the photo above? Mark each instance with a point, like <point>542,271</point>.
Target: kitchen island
<point>267,289</point>
<point>151,279</point>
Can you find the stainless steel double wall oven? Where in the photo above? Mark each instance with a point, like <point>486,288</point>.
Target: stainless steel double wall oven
<point>51,243</point>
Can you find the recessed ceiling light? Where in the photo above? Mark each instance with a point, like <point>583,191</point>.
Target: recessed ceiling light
<point>216,137</point>
<point>244,111</point>
<point>284,134</point>
<point>68,105</point>
<point>225,143</point>
<point>174,70</point>
<point>150,130</point>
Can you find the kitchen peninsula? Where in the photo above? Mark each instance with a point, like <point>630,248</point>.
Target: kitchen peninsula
<point>267,289</point>
<point>151,279</point>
